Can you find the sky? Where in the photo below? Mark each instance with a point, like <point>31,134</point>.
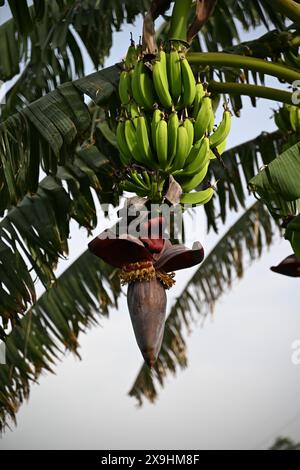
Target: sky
<point>241,388</point>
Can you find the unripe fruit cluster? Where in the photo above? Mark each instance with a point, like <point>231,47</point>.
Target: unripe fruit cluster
<point>287,118</point>
<point>166,124</point>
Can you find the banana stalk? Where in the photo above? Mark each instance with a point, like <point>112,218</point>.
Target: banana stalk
<point>180,15</point>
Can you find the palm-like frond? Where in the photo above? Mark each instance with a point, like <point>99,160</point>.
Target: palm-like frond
<point>42,37</point>
<point>46,39</point>
<point>34,235</point>
<point>222,28</point>
<point>270,45</point>
<point>46,133</point>
<point>244,242</point>
<point>58,134</point>
<point>83,293</point>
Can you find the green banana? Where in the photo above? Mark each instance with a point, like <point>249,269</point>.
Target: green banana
<point>292,59</point>
<point>135,83</point>
<point>193,182</point>
<point>125,154</point>
<point>123,159</point>
<point>199,161</point>
<point>143,141</point>
<point>222,131</point>
<point>125,87</point>
<point>211,124</point>
<point>294,118</point>
<point>280,121</point>
<point>131,140</point>
<point>200,93</point>
<point>222,147</point>
<point>198,197</point>
<point>161,85</point>
<point>179,106</point>
<point>188,82</point>
<point>298,120</point>
<point>173,124</point>
<point>285,113</point>
<point>193,152</point>
<point>204,117</point>
<point>131,56</point>
<point>138,180</point>
<point>161,141</point>
<point>146,178</point>
<point>174,73</point>
<point>189,126</point>
<point>181,149</point>
<point>134,112</point>
<point>147,92</point>
<point>157,115</point>
<point>134,188</point>
<point>164,61</point>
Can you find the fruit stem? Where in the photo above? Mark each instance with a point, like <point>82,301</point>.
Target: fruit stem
<point>239,61</point>
<point>180,16</point>
<point>288,8</point>
<point>268,93</point>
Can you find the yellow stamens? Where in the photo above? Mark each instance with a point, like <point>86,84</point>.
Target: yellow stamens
<point>145,271</point>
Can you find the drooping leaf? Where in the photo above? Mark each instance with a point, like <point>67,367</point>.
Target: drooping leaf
<point>281,176</point>
<point>241,163</point>
<point>46,133</point>
<point>21,16</point>
<point>87,290</point>
<point>42,36</point>
<point>34,234</point>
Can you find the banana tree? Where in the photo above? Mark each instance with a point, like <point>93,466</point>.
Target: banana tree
<point>47,127</point>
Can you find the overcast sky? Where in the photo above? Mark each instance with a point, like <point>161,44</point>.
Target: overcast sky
<point>240,389</point>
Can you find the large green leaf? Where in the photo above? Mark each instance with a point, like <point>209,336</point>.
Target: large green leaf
<point>56,133</point>
<point>281,176</point>
<point>244,242</point>
<point>278,185</point>
<point>46,133</point>
<point>46,34</point>
<point>34,234</point>
<point>81,295</point>
<point>43,38</point>
<point>241,163</point>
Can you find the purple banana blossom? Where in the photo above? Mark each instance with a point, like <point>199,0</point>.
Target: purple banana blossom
<point>147,265</point>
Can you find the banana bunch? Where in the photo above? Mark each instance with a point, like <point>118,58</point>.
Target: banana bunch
<point>166,124</point>
<point>291,59</point>
<point>287,118</point>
